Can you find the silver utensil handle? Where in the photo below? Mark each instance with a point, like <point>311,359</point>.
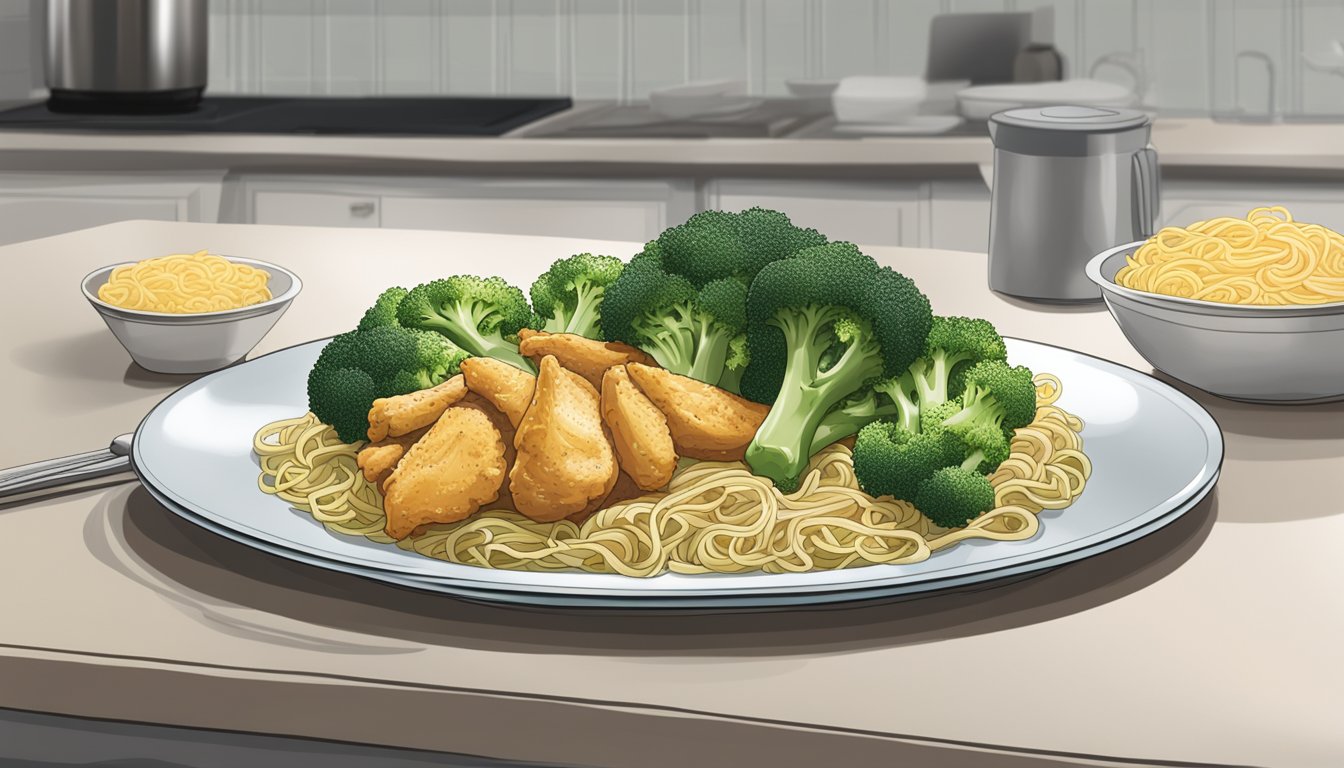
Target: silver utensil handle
<point>1147,185</point>
<point>54,473</point>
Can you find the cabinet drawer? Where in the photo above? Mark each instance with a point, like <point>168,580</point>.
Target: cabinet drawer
<point>316,209</point>
<point>28,218</point>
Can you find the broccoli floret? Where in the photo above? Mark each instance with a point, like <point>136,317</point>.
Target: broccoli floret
<point>954,343</point>
<point>712,245</point>
<point>384,310</point>
<point>689,331</point>
<point>482,315</point>
<point>954,496</point>
<point>986,447</point>
<point>822,325</point>
<point>568,296</point>
<point>355,368</point>
<point>996,395</point>
<point>735,364</point>
<point>891,461</point>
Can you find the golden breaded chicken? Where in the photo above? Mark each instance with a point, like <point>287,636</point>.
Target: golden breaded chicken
<point>565,463</point>
<point>507,434</point>
<point>447,475</point>
<point>638,431</point>
<point>377,460</point>
<point>587,357</point>
<point>396,416</point>
<point>706,422</point>
<point>507,388</point>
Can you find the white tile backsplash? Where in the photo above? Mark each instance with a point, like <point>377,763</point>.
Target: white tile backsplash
<point>1192,56</point>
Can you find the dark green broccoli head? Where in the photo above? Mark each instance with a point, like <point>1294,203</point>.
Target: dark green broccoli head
<point>769,236</point>
<point>568,295</point>
<point>478,314</point>
<point>954,344</point>
<point>688,331</point>
<point>822,325</point>
<point>890,461</point>
<point>384,309</point>
<point>712,245</point>
<point>996,394</point>
<point>355,368</point>
<point>953,496</point>
<point>986,447</point>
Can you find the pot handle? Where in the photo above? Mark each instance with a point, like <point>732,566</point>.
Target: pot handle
<point>1147,191</point>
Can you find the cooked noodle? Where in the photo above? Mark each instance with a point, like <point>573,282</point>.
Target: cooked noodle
<point>1264,259</point>
<point>185,283</point>
<point>715,516</point>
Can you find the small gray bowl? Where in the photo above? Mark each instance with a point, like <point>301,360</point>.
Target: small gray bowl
<point>1258,354</point>
<point>199,342</point>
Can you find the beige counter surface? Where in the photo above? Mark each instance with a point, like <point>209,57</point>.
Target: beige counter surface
<point>1185,143</point>
<point>1215,640</point>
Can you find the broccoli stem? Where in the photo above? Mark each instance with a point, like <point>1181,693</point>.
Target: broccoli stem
<point>907,410</point>
<point>584,320</point>
<point>669,339</point>
<point>711,351</point>
<point>973,460</point>
<point>782,446</point>
<point>972,412</point>
<point>461,323</point>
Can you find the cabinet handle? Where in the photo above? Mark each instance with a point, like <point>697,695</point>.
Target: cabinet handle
<point>362,210</point>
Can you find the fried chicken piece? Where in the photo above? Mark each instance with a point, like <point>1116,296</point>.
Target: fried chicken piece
<point>624,490</point>
<point>400,415</point>
<point>447,475</point>
<point>587,357</point>
<point>638,431</point>
<point>377,460</point>
<point>506,387</point>
<point>565,463</point>
<point>706,422</point>
<point>506,433</point>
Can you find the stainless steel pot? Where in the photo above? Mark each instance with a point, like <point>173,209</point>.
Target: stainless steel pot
<point>126,55</point>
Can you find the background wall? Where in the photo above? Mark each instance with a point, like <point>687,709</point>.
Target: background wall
<point>1192,56</point>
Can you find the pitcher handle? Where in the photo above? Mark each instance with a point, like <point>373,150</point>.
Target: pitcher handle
<point>1147,191</point>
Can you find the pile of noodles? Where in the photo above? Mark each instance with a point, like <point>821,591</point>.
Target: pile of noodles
<point>715,517</point>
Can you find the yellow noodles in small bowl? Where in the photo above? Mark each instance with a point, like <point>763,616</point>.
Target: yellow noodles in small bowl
<point>185,283</point>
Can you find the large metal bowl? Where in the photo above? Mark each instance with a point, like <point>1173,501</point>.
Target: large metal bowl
<point>1261,354</point>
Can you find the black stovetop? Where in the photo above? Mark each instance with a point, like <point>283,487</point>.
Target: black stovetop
<point>404,116</point>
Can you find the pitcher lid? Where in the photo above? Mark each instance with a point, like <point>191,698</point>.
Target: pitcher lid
<point>1066,117</point>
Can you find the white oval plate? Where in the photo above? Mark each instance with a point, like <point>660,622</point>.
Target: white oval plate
<point>1155,454</point>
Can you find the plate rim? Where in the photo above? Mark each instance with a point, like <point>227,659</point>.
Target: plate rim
<point>1174,507</point>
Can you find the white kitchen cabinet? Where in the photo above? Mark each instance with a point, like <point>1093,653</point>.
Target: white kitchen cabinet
<point>315,209</point>
<point>34,205</point>
<point>1185,202</point>
<point>611,209</point>
<point>868,213</point>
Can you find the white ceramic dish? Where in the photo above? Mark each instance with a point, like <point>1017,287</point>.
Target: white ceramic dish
<point>867,99</point>
<point>1155,453</point>
<point>1273,354</point>
<point>709,97</point>
<point>199,342</point>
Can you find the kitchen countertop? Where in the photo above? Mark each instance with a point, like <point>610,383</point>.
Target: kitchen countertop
<point>1214,640</point>
<point>1184,144</point>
